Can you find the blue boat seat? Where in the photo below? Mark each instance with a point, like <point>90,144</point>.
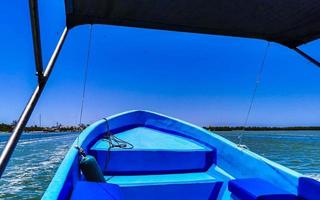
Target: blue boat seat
<point>257,189</point>
<point>184,186</point>
<point>154,152</point>
<point>309,188</point>
<point>96,191</point>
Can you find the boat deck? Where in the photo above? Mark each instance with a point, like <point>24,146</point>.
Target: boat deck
<point>136,180</point>
<point>143,138</point>
<point>153,152</point>
<point>159,166</point>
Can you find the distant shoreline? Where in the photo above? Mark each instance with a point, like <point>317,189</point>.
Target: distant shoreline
<point>256,128</point>
<point>44,132</point>
<point>7,128</point>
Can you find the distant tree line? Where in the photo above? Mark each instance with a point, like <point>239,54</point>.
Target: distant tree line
<point>57,128</point>
<point>260,128</point>
<point>60,128</point>
<point>5,127</point>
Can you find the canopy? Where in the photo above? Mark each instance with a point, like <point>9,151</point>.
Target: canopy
<point>289,22</point>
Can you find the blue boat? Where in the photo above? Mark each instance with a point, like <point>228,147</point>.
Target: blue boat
<point>144,155</point>
<point>159,157</point>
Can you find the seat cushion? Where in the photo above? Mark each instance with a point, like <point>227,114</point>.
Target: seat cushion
<point>255,188</point>
<point>96,191</point>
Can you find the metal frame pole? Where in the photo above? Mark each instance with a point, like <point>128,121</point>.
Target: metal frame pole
<point>14,138</point>
<point>34,17</point>
<point>306,56</point>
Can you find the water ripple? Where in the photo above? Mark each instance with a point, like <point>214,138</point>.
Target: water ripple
<point>33,164</point>
<point>298,150</point>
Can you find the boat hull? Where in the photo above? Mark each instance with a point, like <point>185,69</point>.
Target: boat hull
<point>174,153</point>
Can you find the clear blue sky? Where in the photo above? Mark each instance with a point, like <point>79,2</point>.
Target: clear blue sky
<point>207,80</point>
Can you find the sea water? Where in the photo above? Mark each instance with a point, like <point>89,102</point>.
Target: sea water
<point>38,155</point>
<point>33,164</point>
<point>298,150</point>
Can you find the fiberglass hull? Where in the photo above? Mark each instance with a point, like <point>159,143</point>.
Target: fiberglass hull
<point>170,159</point>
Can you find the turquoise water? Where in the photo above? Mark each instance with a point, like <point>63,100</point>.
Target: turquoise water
<point>33,164</point>
<point>298,150</point>
<point>38,156</point>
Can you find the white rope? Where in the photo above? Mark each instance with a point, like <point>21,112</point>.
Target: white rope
<point>258,80</point>
<point>85,77</point>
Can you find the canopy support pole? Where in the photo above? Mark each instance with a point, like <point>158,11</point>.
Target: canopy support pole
<point>14,138</point>
<point>306,56</point>
<point>34,16</point>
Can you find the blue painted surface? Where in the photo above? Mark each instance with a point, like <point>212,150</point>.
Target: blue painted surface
<point>96,191</point>
<point>168,186</point>
<point>145,129</point>
<point>154,152</point>
<point>255,189</point>
<point>144,138</point>
<point>309,188</point>
<point>138,180</point>
<point>188,191</point>
<point>153,162</point>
